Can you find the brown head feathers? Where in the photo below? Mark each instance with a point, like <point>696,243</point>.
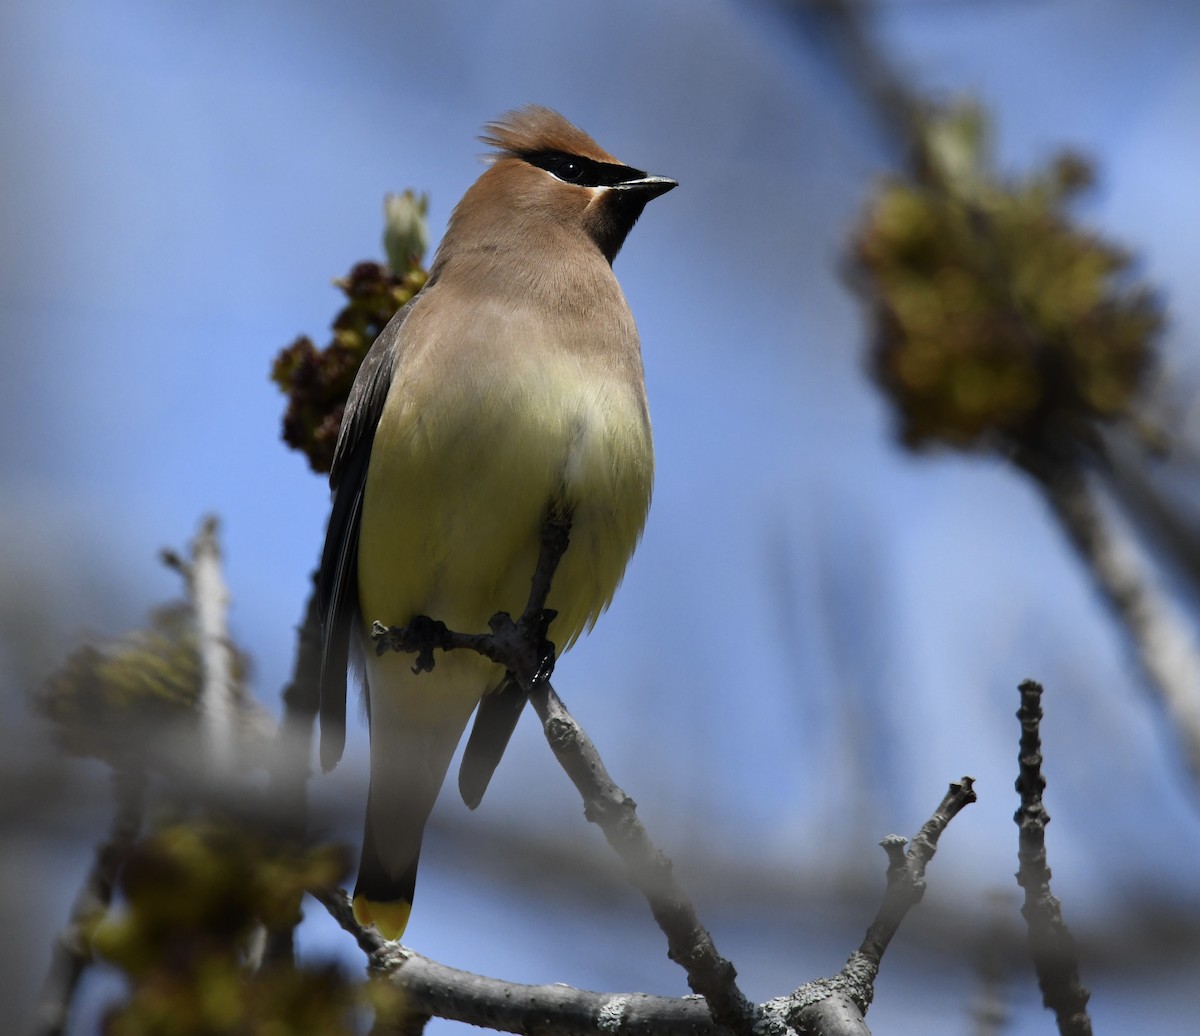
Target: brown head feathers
<point>536,129</point>
<point>546,174</point>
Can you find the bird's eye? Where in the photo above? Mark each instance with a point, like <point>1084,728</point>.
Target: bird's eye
<point>568,169</point>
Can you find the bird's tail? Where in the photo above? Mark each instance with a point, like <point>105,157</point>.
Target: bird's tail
<point>383,894</point>
<point>416,723</point>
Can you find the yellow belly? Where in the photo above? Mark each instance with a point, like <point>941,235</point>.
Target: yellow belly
<point>463,472</point>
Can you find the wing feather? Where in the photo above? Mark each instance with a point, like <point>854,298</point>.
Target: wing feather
<point>337,579</point>
<point>495,721</point>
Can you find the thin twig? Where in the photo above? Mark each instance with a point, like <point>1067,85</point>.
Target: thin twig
<point>1055,957</point>
<point>689,943</point>
<point>71,953</point>
<point>511,1007</point>
<point>607,806</point>
<point>210,604</point>
<point>906,870</point>
<point>838,1005</point>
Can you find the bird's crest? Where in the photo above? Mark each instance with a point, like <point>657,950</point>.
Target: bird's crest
<point>536,129</point>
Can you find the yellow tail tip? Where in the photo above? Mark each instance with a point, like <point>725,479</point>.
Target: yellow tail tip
<point>390,918</point>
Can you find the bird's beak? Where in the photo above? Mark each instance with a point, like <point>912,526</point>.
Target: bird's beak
<point>647,187</point>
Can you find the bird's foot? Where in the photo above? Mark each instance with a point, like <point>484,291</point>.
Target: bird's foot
<point>421,636</point>
<point>523,646</point>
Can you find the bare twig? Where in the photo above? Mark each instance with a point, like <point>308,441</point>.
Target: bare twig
<point>837,1006</point>
<point>1055,957</point>
<point>72,949</point>
<point>210,602</point>
<point>338,904</point>
<point>607,806</point>
<point>615,813</point>
<point>460,996</point>
<point>906,870</point>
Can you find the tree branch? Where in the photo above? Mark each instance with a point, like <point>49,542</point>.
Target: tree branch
<point>1164,642</point>
<point>906,870</point>
<point>615,813</point>
<point>210,602</point>
<point>340,909</point>
<point>460,996</point>
<point>826,1007</point>
<point>523,649</point>
<point>72,949</point>
<point>837,1006</point>
<point>689,943</point>
<point>1055,957</point>
<point>830,1007</point>
<point>430,988</point>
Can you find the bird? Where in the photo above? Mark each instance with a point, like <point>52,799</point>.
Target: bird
<point>508,392</point>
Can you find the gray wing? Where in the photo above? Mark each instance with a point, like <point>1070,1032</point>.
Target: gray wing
<point>337,579</point>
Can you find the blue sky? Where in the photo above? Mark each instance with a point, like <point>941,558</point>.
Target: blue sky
<point>818,631</point>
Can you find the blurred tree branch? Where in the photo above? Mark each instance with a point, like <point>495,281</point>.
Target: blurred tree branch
<point>212,866</point>
<point>218,681</point>
<point>1000,326</point>
<point>72,948</point>
<point>1164,640</point>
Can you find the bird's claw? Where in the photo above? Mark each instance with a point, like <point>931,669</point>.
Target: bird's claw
<point>421,635</point>
<point>522,647</point>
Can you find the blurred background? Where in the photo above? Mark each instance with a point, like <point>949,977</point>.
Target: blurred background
<point>820,628</point>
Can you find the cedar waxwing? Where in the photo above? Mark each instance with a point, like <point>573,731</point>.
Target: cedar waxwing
<point>508,390</point>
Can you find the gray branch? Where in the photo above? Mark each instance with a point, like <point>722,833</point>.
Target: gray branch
<point>826,1007</point>
<point>72,953</point>
<point>1055,957</point>
<point>1163,640</point>
<point>615,813</point>
<point>210,604</point>
<point>837,1006</point>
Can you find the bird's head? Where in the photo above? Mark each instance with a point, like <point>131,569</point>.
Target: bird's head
<point>547,174</point>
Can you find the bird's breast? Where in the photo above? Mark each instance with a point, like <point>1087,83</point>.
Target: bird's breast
<point>484,432</point>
